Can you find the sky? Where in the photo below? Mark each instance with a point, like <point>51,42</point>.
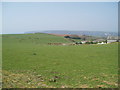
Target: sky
<point>20,17</point>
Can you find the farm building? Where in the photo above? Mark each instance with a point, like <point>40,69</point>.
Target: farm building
<point>102,43</point>
<point>83,42</point>
<point>111,41</point>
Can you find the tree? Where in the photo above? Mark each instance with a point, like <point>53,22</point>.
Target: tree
<point>74,37</point>
<point>66,36</point>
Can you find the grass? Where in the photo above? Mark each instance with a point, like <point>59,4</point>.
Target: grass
<point>32,63</point>
<point>0,60</point>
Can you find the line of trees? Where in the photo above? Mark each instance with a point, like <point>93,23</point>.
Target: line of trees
<point>72,37</point>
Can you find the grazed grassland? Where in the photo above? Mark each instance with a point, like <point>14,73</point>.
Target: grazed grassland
<point>29,62</point>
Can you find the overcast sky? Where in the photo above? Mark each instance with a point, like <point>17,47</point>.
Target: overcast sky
<point>20,17</point>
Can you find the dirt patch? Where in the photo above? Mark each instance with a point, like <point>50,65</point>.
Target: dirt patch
<point>84,86</point>
<point>110,83</point>
<point>100,86</point>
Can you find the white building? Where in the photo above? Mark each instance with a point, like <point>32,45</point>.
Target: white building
<point>111,41</point>
<point>83,42</point>
<point>102,43</point>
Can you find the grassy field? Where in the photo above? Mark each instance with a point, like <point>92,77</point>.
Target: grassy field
<point>29,62</point>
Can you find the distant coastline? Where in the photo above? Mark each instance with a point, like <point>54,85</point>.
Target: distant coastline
<point>89,33</point>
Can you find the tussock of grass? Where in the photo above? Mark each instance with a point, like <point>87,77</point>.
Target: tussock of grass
<point>23,80</point>
<point>28,79</point>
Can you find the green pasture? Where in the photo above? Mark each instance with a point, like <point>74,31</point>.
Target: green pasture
<point>28,61</point>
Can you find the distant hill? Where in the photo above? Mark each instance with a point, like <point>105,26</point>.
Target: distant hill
<point>88,33</point>
<point>38,38</point>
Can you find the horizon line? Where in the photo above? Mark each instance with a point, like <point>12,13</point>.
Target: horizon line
<point>57,30</point>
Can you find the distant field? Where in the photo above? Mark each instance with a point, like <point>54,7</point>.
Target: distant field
<point>29,62</point>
